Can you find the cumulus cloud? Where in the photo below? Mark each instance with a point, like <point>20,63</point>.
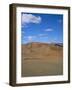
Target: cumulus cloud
<point>30,18</point>
<point>49,30</point>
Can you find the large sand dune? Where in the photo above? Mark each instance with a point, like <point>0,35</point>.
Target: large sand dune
<point>41,59</point>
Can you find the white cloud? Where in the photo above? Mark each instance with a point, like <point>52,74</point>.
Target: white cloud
<point>30,38</point>
<point>42,35</point>
<point>49,30</point>
<point>30,18</point>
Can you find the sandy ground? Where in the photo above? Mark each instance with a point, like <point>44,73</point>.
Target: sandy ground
<point>41,60</point>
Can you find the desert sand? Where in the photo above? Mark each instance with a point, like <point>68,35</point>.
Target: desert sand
<point>41,59</point>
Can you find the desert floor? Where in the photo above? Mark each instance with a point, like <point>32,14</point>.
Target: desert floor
<point>40,59</point>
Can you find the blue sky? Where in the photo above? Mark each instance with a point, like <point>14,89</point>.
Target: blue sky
<point>47,28</point>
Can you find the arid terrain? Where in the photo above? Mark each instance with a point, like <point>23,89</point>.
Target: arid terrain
<point>42,59</point>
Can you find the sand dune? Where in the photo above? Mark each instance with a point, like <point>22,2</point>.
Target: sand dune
<point>42,59</point>
<point>41,50</point>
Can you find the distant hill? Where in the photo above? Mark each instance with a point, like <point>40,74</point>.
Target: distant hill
<point>59,44</point>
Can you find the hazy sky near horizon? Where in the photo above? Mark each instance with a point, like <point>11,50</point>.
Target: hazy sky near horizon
<point>47,28</point>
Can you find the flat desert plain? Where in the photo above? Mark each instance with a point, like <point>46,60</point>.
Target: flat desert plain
<point>41,59</point>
